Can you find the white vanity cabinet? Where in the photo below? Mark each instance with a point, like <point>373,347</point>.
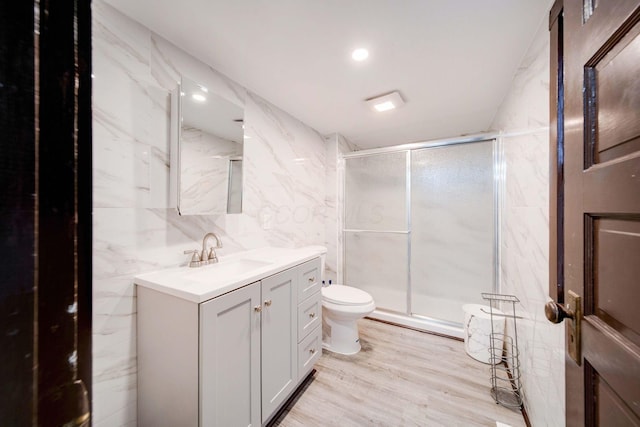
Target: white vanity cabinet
<point>279,339</point>
<point>309,316</point>
<point>231,360</point>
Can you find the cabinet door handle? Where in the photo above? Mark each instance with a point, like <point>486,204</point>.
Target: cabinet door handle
<point>257,308</point>
<point>312,279</point>
<point>267,303</point>
<point>312,351</point>
<point>312,315</point>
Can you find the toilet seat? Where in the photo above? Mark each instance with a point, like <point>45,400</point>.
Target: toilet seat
<point>345,295</point>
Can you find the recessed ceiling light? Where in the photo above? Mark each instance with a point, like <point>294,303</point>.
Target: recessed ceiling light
<point>385,102</point>
<point>360,54</point>
<point>198,97</point>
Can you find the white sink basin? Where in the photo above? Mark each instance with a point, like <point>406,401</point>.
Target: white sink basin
<point>233,271</point>
<point>225,270</point>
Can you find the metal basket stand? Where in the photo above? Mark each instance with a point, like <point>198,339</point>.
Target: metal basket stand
<point>504,358</point>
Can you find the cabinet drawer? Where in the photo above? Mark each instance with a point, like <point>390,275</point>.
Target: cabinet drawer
<point>309,351</point>
<point>309,279</point>
<point>309,315</point>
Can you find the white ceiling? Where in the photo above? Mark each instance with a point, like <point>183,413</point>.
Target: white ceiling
<point>452,60</point>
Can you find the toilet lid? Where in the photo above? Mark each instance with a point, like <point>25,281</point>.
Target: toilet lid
<point>345,295</point>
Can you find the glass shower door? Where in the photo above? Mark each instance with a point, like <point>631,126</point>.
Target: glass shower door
<point>376,227</point>
<point>452,228</point>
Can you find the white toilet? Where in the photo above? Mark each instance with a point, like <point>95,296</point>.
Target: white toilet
<point>342,306</point>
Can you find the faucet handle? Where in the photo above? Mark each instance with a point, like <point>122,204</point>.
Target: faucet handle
<point>195,258</point>
<point>212,256</point>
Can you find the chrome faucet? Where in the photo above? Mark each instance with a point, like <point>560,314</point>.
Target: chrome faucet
<point>209,256</point>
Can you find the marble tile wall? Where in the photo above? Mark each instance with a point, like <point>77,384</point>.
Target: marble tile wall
<point>332,215</point>
<point>337,145</point>
<point>344,146</point>
<point>135,229</point>
<point>524,119</point>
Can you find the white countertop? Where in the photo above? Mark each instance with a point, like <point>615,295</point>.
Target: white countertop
<point>233,271</point>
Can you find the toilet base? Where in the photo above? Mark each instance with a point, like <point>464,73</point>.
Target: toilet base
<point>340,337</point>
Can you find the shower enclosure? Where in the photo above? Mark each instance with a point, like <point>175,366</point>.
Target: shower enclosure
<point>420,229</point>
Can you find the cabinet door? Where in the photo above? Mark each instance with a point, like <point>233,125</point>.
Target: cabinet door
<point>230,359</point>
<point>279,339</point>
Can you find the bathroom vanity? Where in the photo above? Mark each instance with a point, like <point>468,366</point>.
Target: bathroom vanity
<point>227,344</point>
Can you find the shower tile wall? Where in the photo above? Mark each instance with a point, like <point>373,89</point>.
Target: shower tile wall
<point>336,146</point>
<point>525,228</point>
<point>134,228</point>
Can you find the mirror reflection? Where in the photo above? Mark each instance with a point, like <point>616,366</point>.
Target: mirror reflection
<point>210,152</point>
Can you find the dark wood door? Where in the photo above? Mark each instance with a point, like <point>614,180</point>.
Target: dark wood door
<point>601,208</point>
<point>45,213</point>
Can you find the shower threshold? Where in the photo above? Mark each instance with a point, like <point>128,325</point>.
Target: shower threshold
<point>422,323</point>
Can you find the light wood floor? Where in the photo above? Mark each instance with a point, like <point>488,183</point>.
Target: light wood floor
<point>401,377</point>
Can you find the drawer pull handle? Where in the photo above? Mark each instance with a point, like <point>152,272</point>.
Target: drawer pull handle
<point>312,279</point>
<point>267,303</point>
<point>312,351</point>
<point>312,315</point>
<point>257,308</point>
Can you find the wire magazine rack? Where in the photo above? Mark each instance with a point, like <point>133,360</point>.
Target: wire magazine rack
<point>504,356</point>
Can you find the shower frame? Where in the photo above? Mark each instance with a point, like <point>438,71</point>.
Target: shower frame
<point>420,321</point>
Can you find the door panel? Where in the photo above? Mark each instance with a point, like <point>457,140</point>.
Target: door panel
<point>607,353</point>
<point>612,410</point>
<point>616,250</point>
<point>613,187</point>
<point>617,128</point>
<point>602,208</point>
<point>612,99</point>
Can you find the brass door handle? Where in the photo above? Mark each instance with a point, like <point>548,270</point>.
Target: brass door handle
<point>556,313</point>
<point>257,308</point>
<point>267,303</point>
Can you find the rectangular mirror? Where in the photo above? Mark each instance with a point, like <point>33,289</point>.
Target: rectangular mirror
<point>206,153</point>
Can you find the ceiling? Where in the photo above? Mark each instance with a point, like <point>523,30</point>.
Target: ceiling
<point>452,61</point>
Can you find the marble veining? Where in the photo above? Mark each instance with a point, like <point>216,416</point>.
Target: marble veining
<point>337,146</point>
<point>290,200</point>
<point>135,230</point>
<point>331,208</point>
<point>525,229</point>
